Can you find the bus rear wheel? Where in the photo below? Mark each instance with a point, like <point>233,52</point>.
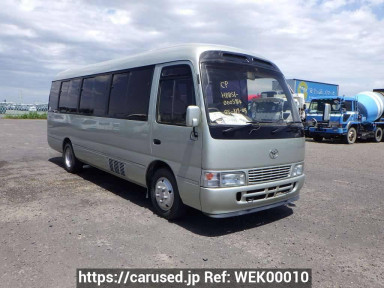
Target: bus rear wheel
<point>378,134</point>
<point>165,195</point>
<point>71,163</point>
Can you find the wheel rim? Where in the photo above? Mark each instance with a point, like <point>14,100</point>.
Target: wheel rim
<point>379,134</point>
<point>351,135</point>
<point>164,193</point>
<point>68,157</point>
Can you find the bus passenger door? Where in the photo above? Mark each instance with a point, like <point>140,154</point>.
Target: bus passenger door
<point>173,142</point>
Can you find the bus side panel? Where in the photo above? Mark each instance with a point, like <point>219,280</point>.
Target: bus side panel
<point>57,125</point>
<point>189,192</point>
<point>96,140</point>
<point>129,142</point>
<point>99,140</point>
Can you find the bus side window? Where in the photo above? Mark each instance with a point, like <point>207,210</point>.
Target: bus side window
<point>69,96</point>
<point>54,96</point>
<point>176,93</point>
<point>130,94</point>
<point>94,95</point>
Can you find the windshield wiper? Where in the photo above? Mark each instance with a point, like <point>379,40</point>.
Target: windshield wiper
<point>255,124</point>
<point>290,125</point>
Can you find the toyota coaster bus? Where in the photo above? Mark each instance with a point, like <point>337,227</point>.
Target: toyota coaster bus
<point>207,126</point>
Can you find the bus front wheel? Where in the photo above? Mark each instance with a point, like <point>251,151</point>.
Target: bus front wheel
<point>165,195</point>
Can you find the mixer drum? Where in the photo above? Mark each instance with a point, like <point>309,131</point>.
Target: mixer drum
<point>370,105</point>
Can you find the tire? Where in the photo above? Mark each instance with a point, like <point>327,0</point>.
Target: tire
<point>71,163</point>
<point>378,134</point>
<point>351,136</point>
<point>318,138</point>
<point>165,195</point>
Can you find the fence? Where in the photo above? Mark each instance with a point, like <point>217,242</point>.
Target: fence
<point>11,109</point>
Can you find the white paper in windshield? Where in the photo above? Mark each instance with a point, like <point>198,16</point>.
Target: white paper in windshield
<point>231,119</point>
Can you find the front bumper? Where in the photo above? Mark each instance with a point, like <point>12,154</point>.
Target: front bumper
<point>228,202</point>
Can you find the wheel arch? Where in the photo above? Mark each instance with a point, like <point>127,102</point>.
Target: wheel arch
<point>153,167</point>
<point>354,125</point>
<point>65,141</point>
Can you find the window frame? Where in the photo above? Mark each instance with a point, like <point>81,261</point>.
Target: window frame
<point>78,95</point>
<point>111,74</point>
<point>56,110</point>
<point>106,104</point>
<point>130,71</point>
<point>161,78</point>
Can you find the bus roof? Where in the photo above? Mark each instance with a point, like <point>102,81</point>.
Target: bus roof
<point>189,52</point>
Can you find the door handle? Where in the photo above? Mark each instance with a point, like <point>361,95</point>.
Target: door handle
<point>156,141</point>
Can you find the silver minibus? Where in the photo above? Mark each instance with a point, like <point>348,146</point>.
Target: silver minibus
<point>206,126</point>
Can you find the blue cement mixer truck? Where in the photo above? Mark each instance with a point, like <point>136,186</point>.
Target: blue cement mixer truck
<point>348,118</point>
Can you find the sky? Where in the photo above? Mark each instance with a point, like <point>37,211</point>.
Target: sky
<point>339,42</point>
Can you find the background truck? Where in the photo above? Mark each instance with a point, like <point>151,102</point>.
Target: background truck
<point>299,99</point>
<point>348,118</point>
<point>300,104</point>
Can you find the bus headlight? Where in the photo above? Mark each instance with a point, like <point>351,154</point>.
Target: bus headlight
<point>232,179</point>
<point>298,170</point>
<point>224,179</point>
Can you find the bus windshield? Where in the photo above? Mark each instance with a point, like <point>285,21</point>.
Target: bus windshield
<point>238,94</point>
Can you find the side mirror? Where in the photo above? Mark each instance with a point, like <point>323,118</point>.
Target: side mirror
<point>193,116</point>
<point>327,112</point>
<point>304,106</point>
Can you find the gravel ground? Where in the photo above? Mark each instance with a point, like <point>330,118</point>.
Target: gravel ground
<point>52,222</point>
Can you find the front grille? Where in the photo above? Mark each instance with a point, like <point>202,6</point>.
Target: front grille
<point>265,193</point>
<point>268,174</point>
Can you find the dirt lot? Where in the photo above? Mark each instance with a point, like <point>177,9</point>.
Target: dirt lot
<point>52,222</point>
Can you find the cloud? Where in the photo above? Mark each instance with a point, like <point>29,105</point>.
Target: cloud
<point>327,41</point>
<point>118,17</point>
<point>333,4</point>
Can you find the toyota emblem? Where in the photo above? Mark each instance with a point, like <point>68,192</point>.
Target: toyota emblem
<point>274,153</point>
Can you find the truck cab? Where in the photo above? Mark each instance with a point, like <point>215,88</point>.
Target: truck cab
<point>345,120</point>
